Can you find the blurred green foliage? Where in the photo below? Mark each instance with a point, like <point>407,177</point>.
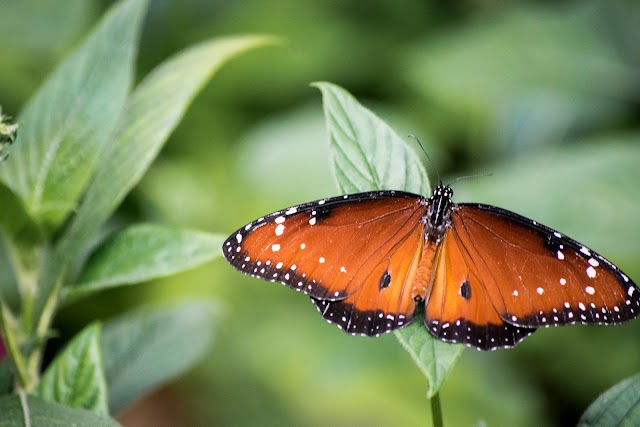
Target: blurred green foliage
<point>543,94</point>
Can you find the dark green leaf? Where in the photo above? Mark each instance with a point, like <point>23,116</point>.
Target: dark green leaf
<point>148,347</point>
<point>618,406</point>
<point>75,378</point>
<point>365,153</point>
<point>145,252</point>
<point>40,413</point>
<point>368,155</point>
<point>66,124</point>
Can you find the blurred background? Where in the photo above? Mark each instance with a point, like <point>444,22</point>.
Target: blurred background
<point>543,94</point>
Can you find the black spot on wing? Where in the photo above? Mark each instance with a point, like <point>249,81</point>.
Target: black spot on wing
<point>321,212</point>
<point>465,290</point>
<point>385,280</point>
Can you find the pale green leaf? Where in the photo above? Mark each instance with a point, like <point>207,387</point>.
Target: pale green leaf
<point>144,252</point>
<point>75,377</point>
<point>152,112</point>
<point>151,346</point>
<point>365,153</point>
<point>435,358</point>
<point>64,127</point>
<point>617,407</point>
<point>35,412</point>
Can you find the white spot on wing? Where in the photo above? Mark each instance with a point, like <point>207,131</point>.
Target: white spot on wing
<point>560,255</point>
<point>312,221</point>
<point>593,262</point>
<point>343,270</point>
<point>279,265</point>
<point>540,291</point>
<point>585,251</point>
<point>291,211</point>
<point>275,247</point>
<point>515,293</point>
<point>302,246</point>
<point>279,229</point>
<point>563,281</point>
<point>590,290</point>
<point>321,260</point>
<point>555,233</point>
<point>279,220</point>
<point>591,272</point>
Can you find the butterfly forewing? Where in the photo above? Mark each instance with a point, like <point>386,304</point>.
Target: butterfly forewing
<point>387,298</point>
<point>329,248</point>
<point>538,277</point>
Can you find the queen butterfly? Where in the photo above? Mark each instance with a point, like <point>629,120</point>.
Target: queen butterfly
<point>488,277</point>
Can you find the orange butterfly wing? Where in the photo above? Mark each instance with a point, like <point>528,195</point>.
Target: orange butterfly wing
<point>362,250</point>
<point>539,277</point>
<point>498,276</point>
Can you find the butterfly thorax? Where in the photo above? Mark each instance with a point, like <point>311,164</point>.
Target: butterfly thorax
<point>438,217</point>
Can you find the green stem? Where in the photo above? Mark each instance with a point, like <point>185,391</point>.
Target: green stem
<point>11,343</point>
<point>436,410</point>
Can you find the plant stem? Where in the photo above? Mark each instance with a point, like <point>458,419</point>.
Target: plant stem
<point>436,410</point>
<point>11,344</point>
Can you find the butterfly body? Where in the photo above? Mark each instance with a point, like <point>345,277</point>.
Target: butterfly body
<point>488,277</point>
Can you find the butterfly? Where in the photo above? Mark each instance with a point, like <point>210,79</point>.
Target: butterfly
<point>487,277</point>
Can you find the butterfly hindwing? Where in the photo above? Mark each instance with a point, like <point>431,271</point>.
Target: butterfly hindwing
<point>388,297</point>
<point>329,248</point>
<point>459,307</point>
<point>538,276</point>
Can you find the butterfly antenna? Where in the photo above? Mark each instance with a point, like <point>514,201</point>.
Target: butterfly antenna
<point>460,178</point>
<point>433,165</point>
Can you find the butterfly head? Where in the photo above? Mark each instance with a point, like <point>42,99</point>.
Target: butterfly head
<point>438,216</point>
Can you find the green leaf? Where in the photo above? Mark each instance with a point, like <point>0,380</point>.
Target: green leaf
<point>151,346</point>
<point>365,153</point>
<point>152,112</point>
<point>39,413</point>
<point>144,252</point>
<point>66,124</point>
<point>75,378</point>
<point>433,357</point>
<point>618,406</point>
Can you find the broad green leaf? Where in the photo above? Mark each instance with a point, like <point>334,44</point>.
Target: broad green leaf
<point>75,377</point>
<point>434,358</point>
<point>144,252</point>
<point>365,153</point>
<point>151,346</point>
<point>152,112</point>
<point>618,406</point>
<point>35,412</point>
<point>66,124</point>
<point>368,155</point>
